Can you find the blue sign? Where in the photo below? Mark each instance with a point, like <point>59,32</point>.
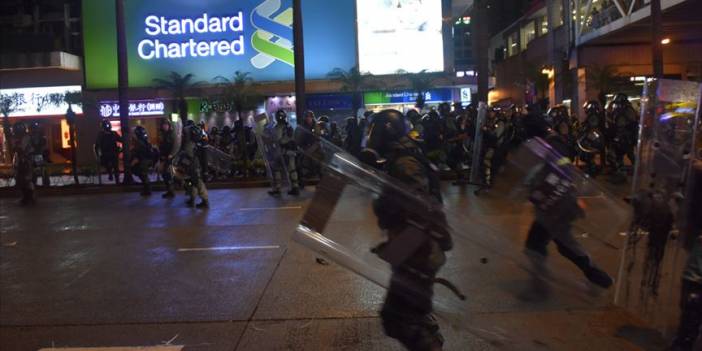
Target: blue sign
<point>329,101</point>
<point>211,38</point>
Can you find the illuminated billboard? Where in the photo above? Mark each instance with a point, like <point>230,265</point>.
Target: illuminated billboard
<point>42,101</point>
<point>400,35</point>
<point>210,38</point>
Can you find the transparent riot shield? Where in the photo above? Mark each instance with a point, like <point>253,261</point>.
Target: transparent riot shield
<point>272,154</point>
<point>484,270</point>
<point>654,257</point>
<point>177,131</point>
<point>476,168</point>
<point>217,160</point>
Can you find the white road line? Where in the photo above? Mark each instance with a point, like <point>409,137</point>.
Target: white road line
<point>119,348</point>
<point>270,208</point>
<point>230,248</point>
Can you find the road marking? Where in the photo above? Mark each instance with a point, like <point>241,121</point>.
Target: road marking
<point>270,208</point>
<point>230,248</point>
<point>119,348</point>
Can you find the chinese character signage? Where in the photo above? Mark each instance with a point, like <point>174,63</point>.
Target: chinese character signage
<point>136,108</point>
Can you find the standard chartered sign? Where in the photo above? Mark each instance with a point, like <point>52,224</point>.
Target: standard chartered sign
<point>183,44</point>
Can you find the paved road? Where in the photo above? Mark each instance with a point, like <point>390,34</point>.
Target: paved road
<point>118,270</point>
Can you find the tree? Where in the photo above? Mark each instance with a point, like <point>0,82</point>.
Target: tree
<point>420,83</point>
<point>240,92</point>
<point>603,78</point>
<point>355,82</point>
<point>178,85</point>
<point>9,103</point>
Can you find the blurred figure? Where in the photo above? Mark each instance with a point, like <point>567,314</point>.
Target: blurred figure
<point>23,163</point>
<point>107,150</point>
<point>143,157</point>
<point>352,143</point>
<point>282,154</point>
<point>591,141</point>
<point>189,162</point>
<point>245,145</point>
<point>166,151</point>
<point>40,154</point>
<point>407,311</point>
<point>306,139</point>
<point>622,133</point>
<point>335,135</point>
<point>553,222</point>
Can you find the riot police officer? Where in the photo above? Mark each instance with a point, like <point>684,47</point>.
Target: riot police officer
<point>407,311</point>
<point>622,132</point>
<point>283,137</point>
<point>40,154</point>
<point>246,145</point>
<point>166,151</point>
<point>23,163</point>
<point>188,161</point>
<point>554,222</point>
<point>306,138</point>
<point>107,150</point>
<point>352,143</point>
<point>143,157</point>
<point>590,137</point>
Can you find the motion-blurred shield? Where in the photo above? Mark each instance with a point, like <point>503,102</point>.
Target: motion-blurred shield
<point>483,267</point>
<point>654,256</point>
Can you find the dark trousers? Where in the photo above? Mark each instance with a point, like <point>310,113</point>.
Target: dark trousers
<point>539,237</point>
<point>110,162</point>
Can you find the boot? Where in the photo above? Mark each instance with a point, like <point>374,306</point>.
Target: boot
<point>274,192</point>
<point>593,273</point>
<point>190,202</point>
<point>294,192</point>
<point>203,204</point>
<point>167,195</point>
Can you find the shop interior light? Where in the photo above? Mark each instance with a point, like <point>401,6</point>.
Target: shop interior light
<point>665,41</point>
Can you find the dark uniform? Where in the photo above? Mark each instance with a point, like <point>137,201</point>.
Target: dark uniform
<point>591,141</point>
<point>246,145</point>
<point>107,150</point>
<point>553,222</point>
<point>40,154</point>
<point>166,152</point>
<point>407,311</point>
<point>23,163</point>
<point>622,133</point>
<point>189,162</point>
<point>143,157</point>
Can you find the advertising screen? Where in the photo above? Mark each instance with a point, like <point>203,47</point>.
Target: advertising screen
<point>211,38</point>
<point>400,35</point>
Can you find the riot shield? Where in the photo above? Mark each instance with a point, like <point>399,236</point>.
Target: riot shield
<point>217,160</point>
<point>476,168</point>
<point>177,131</point>
<point>485,270</point>
<point>653,258</point>
<point>559,190</point>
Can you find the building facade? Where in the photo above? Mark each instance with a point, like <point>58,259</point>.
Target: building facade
<point>568,51</point>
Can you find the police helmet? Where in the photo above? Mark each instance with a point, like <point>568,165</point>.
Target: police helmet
<point>140,133</point>
<point>106,125</point>
<point>281,116</point>
<point>20,129</point>
<point>386,126</point>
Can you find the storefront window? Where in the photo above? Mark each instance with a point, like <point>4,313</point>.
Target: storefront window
<point>528,34</point>
<point>513,44</point>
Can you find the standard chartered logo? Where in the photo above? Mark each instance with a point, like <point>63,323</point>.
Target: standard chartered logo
<point>272,38</point>
<point>152,48</point>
